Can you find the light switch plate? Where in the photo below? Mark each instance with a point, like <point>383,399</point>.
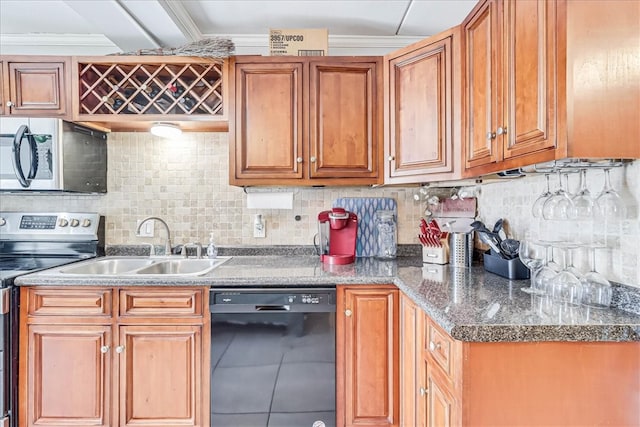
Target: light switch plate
<point>147,229</point>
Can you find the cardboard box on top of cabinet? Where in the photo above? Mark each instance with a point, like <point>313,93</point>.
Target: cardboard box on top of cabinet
<point>299,42</point>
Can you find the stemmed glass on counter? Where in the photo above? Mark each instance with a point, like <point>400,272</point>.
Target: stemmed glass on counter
<point>597,290</point>
<point>534,255</point>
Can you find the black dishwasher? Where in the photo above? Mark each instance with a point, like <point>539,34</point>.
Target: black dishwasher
<point>273,357</point>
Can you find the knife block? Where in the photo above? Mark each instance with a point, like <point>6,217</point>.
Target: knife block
<point>435,255</point>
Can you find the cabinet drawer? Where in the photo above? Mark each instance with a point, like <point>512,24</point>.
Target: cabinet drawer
<point>442,349</point>
<point>161,302</point>
<point>69,302</point>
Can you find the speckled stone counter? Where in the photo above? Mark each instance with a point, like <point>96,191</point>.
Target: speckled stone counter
<point>470,304</point>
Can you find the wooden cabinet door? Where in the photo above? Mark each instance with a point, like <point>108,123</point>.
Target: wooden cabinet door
<point>37,88</point>
<point>441,410</point>
<point>160,375</point>
<point>367,357</point>
<point>268,127</point>
<point>482,88</point>
<point>420,96</point>
<point>529,60</point>
<point>344,119</point>
<point>412,384</point>
<point>68,369</point>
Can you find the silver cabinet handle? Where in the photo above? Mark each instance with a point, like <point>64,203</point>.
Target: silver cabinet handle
<point>391,158</point>
<point>491,135</point>
<point>502,130</point>
<point>119,349</point>
<point>104,349</point>
<point>312,159</point>
<point>10,104</point>
<point>433,346</point>
<point>348,313</point>
<point>424,391</point>
<point>299,160</point>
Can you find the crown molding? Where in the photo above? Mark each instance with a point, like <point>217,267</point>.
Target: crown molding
<point>336,41</point>
<point>179,15</point>
<point>46,39</point>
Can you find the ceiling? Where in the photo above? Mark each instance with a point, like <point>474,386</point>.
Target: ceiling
<point>129,25</point>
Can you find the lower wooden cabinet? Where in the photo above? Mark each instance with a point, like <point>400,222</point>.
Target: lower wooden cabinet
<point>446,382</point>
<point>367,356</point>
<point>82,363</point>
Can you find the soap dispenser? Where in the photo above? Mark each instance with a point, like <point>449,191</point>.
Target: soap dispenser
<point>212,251</point>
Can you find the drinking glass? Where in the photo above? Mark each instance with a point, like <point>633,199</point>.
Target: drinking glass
<point>565,286</point>
<point>609,202</point>
<point>536,209</point>
<point>596,288</point>
<point>540,277</point>
<point>558,204</point>
<point>532,254</point>
<point>583,206</point>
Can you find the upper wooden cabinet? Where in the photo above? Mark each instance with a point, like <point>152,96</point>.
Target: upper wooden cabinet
<point>35,86</point>
<point>536,87</point>
<point>509,75</point>
<point>125,90</point>
<point>367,356</point>
<point>422,85</point>
<point>305,121</point>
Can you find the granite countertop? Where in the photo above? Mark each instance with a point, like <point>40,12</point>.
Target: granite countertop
<point>469,303</point>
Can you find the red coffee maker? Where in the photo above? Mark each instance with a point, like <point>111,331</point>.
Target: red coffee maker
<point>338,229</point>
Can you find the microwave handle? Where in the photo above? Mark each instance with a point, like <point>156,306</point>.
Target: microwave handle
<point>23,131</point>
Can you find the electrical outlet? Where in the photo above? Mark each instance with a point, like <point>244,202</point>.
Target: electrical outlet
<point>259,227</point>
<point>146,230</point>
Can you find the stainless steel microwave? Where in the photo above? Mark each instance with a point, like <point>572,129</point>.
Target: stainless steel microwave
<point>41,154</point>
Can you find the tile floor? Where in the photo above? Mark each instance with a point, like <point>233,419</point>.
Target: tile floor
<point>268,371</point>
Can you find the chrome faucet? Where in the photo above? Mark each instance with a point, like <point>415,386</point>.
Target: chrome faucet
<point>167,244</point>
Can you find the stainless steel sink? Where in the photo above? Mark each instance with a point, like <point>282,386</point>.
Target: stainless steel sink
<point>108,266</point>
<point>127,266</point>
<point>182,267</point>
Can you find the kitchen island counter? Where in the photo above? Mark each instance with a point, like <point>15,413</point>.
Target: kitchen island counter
<point>470,304</point>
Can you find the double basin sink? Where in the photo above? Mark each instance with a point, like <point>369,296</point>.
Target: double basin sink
<point>131,266</point>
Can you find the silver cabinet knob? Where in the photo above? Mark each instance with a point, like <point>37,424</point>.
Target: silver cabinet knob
<point>104,349</point>
<point>299,160</point>
<point>10,104</point>
<point>434,346</point>
<point>119,349</point>
<point>348,313</point>
<point>424,391</point>
<point>312,159</point>
<point>502,130</point>
<point>491,135</point>
<point>391,158</point>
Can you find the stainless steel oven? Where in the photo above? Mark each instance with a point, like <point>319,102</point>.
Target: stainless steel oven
<point>273,357</point>
<point>30,242</point>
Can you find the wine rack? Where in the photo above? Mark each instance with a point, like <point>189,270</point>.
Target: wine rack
<point>150,88</point>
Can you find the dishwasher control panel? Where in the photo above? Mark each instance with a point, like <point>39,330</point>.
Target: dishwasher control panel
<point>272,300</point>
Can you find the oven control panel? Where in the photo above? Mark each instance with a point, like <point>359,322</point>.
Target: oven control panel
<point>65,225</point>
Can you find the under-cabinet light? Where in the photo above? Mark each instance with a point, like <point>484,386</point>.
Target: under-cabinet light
<point>166,130</point>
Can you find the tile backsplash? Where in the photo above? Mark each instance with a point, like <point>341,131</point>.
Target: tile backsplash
<point>185,181</point>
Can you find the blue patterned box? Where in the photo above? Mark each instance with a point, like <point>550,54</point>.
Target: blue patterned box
<point>365,208</point>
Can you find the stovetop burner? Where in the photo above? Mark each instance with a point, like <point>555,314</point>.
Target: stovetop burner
<point>31,263</point>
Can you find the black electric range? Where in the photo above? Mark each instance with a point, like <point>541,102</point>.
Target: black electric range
<point>30,242</point>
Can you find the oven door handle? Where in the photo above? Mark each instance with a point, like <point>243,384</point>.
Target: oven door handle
<point>273,307</point>
<point>23,131</point>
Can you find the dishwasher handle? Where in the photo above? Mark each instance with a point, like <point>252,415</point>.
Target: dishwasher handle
<point>273,307</point>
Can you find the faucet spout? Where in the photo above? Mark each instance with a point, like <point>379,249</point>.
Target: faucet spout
<point>167,244</point>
